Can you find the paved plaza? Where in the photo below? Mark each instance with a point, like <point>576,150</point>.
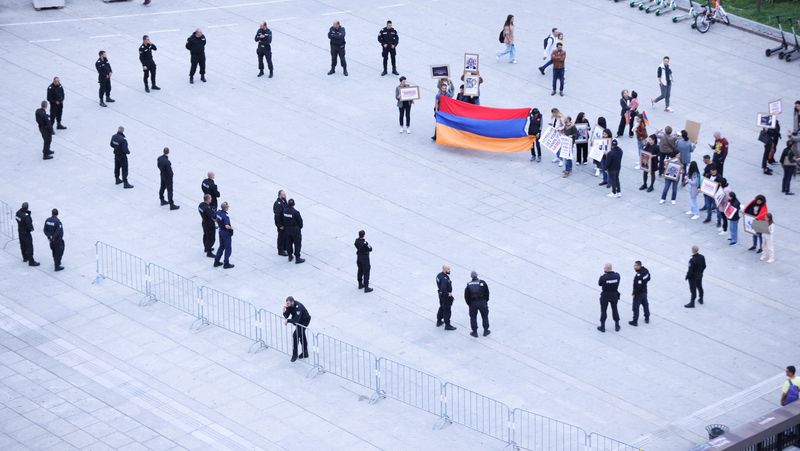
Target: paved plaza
<point>83,366</point>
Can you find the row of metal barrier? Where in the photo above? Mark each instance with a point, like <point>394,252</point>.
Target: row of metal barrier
<point>8,225</point>
<point>384,377</point>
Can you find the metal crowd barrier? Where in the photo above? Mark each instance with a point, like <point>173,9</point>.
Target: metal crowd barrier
<point>8,224</point>
<point>386,378</point>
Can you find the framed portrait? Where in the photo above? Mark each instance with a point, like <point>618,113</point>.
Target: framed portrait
<point>747,223</point>
<point>730,210</point>
<point>550,139</point>
<point>761,226</point>
<point>409,93</point>
<point>765,120</point>
<point>599,148</point>
<point>708,186</point>
<point>597,133</point>
<point>440,71</point>
<point>673,170</point>
<point>566,148</point>
<point>776,107</point>
<point>646,162</point>
<point>719,197</point>
<point>693,130</point>
<point>471,62</point>
<point>472,85</point>
<point>583,133</point>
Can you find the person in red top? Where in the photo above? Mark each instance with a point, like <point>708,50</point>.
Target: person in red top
<point>758,208</point>
<point>720,147</point>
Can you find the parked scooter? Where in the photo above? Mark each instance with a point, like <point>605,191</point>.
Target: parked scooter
<point>784,45</point>
<point>791,53</point>
<point>689,15</point>
<point>666,6</point>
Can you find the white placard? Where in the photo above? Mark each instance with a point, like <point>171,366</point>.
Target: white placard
<point>551,140</point>
<point>566,148</point>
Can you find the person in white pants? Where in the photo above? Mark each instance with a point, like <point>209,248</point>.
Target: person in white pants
<point>769,241</point>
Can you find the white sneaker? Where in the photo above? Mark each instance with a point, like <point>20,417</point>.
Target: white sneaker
<point>771,260</point>
<point>513,61</point>
<point>763,257</point>
<point>560,163</point>
<point>597,172</point>
<point>408,130</point>
<point>533,158</point>
<point>555,160</point>
<point>636,167</point>
<point>497,57</point>
<point>687,212</point>
<point>661,201</point>
<point>402,129</point>
<point>618,194</point>
<point>722,232</point>
<point>673,202</point>
<point>668,110</point>
<point>695,217</point>
<point>611,195</point>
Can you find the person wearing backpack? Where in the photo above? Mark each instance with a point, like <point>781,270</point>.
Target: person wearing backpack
<point>791,388</point>
<point>507,38</point>
<point>549,46</point>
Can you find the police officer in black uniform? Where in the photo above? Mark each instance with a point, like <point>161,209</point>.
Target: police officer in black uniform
<point>25,227</point>
<point>293,223</point>
<point>120,146</point>
<point>148,65</point>
<point>55,95</point>
<point>477,296</point>
<point>388,39</point>
<point>54,231</point>
<point>301,319</point>
<point>697,264</point>
<point>336,35</point>
<point>277,211</point>
<point>196,45</point>
<point>225,237</point>
<point>104,77</point>
<point>362,261</point>
<point>445,289</point>
<point>609,282</point>
<point>209,217</point>
<point>46,130</point>
<point>209,187</point>
<point>165,170</point>
<point>640,281</point>
<point>264,48</point>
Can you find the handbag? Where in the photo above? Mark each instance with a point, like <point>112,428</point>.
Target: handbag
<point>763,137</point>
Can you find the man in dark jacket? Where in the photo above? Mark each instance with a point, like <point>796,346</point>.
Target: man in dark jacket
<point>54,231</point>
<point>208,216</point>
<point>534,129</point>
<point>697,264</point>
<point>120,146</point>
<point>165,170</point>
<point>445,289</point>
<point>25,227</point>
<point>609,294</point>
<point>225,238</point>
<point>277,210</point>
<point>196,45</point>
<point>104,77</point>
<point>788,160</point>
<point>362,261</point>
<point>55,95</point>
<point>336,35</point>
<point>148,65</point>
<point>388,39</point>
<point>476,294</point>
<point>209,187</point>
<point>46,129</point>
<point>293,223</point>
<point>613,166</point>
<point>301,319</point>
<point>264,48</point>
<point>640,281</point>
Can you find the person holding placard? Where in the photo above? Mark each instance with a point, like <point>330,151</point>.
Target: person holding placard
<point>769,137</point>
<point>557,122</point>
<point>666,147</point>
<point>769,243</point>
<point>789,162</point>
<point>721,201</point>
<point>652,148</point>
<point>569,132</point>
<point>404,106</point>
<point>795,134</point>
<point>758,208</point>
<point>732,213</point>
<point>668,182</point>
<point>603,160</point>
<point>692,178</point>
<point>709,206</point>
<point>582,145</point>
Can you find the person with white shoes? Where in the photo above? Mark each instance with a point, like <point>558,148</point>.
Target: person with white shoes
<point>557,122</point>
<point>404,106</point>
<point>664,75</point>
<point>769,243</point>
<point>670,183</point>
<point>692,179</point>
<point>508,40</point>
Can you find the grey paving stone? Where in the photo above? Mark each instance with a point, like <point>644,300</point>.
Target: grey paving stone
<point>79,439</point>
<point>61,427</point>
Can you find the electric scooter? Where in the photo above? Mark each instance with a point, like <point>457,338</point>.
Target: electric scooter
<point>689,15</point>
<point>784,45</point>
<point>790,54</point>
<point>653,6</point>
<point>667,6</point>
<point>648,5</point>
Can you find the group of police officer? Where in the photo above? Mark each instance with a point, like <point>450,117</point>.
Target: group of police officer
<point>53,230</point>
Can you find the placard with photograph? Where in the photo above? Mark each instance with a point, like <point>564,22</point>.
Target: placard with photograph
<point>730,210</point>
<point>747,223</point>
<point>472,85</point>
<point>409,93</point>
<point>693,130</point>
<point>708,186</point>
<point>471,62</point>
<point>599,148</point>
<point>597,133</point>
<point>719,198</point>
<point>776,107</point>
<point>550,139</point>
<point>583,133</point>
<point>761,226</point>
<point>646,162</point>
<point>440,71</point>
<point>765,120</point>
<point>673,170</point>
<point>566,148</point>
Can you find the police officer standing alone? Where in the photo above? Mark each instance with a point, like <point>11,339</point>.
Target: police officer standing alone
<point>264,49</point>
<point>209,217</point>
<point>362,261</point>
<point>25,227</point>
<point>54,232</point>
<point>46,129</point>
<point>209,187</point>
<point>697,264</point>
<point>55,95</point>
<point>301,319</point>
<point>293,224</point>
<point>477,296</point>
<point>609,282</point>
<point>277,211</point>
<point>388,39</point>
<point>225,237</point>
<point>445,289</point>
<point>165,170</point>
<point>196,45</point>
<point>148,65</point>
<point>336,34</point>
<point>120,146</point>
<point>640,281</point>
<point>104,77</point>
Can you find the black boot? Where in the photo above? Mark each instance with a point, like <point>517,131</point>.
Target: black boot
<point>689,305</point>
<point>126,185</point>
<point>191,79</point>
<point>616,326</point>
<point>261,73</point>
<point>270,74</point>
<point>203,78</point>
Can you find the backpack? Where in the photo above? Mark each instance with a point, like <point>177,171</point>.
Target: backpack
<point>545,42</point>
<point>792,394</point>
<point>503,35</point>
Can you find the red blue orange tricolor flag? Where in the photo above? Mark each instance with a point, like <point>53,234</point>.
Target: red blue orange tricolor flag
<point>461,124</point>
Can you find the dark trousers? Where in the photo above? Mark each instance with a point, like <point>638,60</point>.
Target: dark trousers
<point>299,334</point>
<point>55,112</point>
<point>640,299</point>
<point>208,238</point>
<point>387,51</point>
<point>536,148</point>
<point>294,241</point>
<point>652,175</point>
<point>696,288</point>
<point>474,308</point>
<point>603,310</point>
<point>758,240</point>
<point>788,173</point>
<point>281,241</point>
<point>405,110</point>
<point>105,88</point>
<point>166,185</point>
<point>121,165</point>
<point>338,51</point>
<point>57,246</point>
<point>709,205</point>
<point>224,245</point>
<point>720,167</point>
<point>558,75</point>
<point>47,138</point>
<point>613,177</point>
<point>265,53</point>
<point>363,271</point>
<point>198,60</point>
<point>26,246</point>
<point>445,308</point>
<point>621,127</point>
<point>150,72</point>
<point>582,152</point>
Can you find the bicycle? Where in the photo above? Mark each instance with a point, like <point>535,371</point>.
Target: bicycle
<point>709,15</point>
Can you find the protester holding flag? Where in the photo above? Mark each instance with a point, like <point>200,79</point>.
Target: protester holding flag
<point>460,124</point>
<point>535,129</point>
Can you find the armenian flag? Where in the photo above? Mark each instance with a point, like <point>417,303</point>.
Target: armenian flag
<point>644,118</point>
<point>461,124</point>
